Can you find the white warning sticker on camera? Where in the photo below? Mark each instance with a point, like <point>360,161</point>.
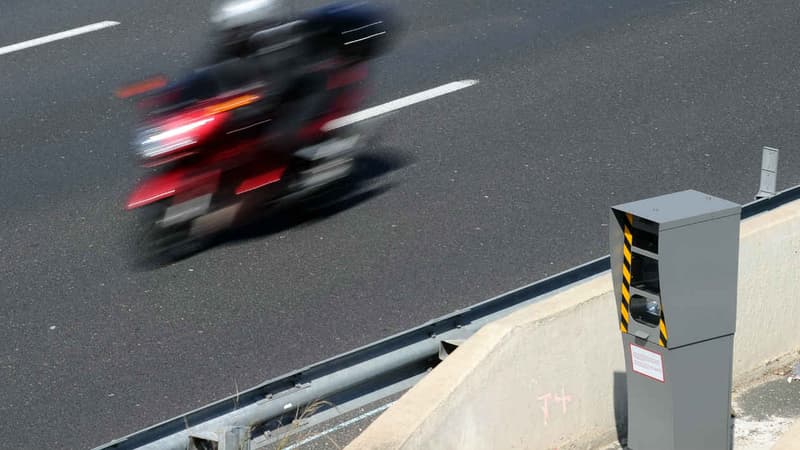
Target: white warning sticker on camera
<point>647,363</point>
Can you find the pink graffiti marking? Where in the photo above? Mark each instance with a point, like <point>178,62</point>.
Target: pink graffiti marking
<point>564,398</point>
<point>545,408</point>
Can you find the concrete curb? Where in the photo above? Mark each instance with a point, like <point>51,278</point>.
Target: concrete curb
<point>790,439</point>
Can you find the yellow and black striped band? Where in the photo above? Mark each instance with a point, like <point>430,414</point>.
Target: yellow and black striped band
<point>625,304</point>
<point>662,330</point>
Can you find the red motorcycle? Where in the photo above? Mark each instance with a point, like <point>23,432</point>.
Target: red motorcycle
<point>207,138</point>
<point>211,170</point>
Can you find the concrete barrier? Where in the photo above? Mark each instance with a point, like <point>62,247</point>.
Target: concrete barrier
<point>552,375</point>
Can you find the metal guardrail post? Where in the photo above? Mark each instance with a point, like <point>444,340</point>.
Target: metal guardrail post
<point>229,438</point>
<point>769,172</point>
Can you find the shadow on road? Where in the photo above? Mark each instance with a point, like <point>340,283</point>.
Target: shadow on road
<point>362,185</point>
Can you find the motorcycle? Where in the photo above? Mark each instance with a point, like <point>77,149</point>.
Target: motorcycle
<point>210,168</point>
<point>211,171</point>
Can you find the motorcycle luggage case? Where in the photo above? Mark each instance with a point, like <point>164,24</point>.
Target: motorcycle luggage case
<point>359,30</point>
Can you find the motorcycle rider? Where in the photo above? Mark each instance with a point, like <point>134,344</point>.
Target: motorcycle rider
<point>234,22</point>
<point>297,57</point>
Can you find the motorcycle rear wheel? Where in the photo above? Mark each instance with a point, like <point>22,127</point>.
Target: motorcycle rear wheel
<point>159,245</point>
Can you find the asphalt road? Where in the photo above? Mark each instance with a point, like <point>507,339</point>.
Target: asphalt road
<point>580,105</point>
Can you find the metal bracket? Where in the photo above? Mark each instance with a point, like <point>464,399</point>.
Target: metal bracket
<point>641,335</point>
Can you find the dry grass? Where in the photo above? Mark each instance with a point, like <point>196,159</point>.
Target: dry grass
<point>300,415</point>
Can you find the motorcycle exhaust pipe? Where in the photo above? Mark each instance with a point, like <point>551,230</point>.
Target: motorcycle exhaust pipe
<point>215,221</point>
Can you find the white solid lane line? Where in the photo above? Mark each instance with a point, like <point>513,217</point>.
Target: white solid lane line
<point>57,36</point>
<point>340,426</point>
<point>394,105</point>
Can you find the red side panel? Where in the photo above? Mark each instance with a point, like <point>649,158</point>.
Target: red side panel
<point>197,183</point>
<point>155,188</point>
<point>260,179</point>
<point>181,183</point>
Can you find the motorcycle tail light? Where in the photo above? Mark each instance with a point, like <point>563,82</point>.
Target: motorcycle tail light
<point>177,136</point>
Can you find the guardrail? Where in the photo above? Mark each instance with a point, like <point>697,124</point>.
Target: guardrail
<point>367,374</point>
